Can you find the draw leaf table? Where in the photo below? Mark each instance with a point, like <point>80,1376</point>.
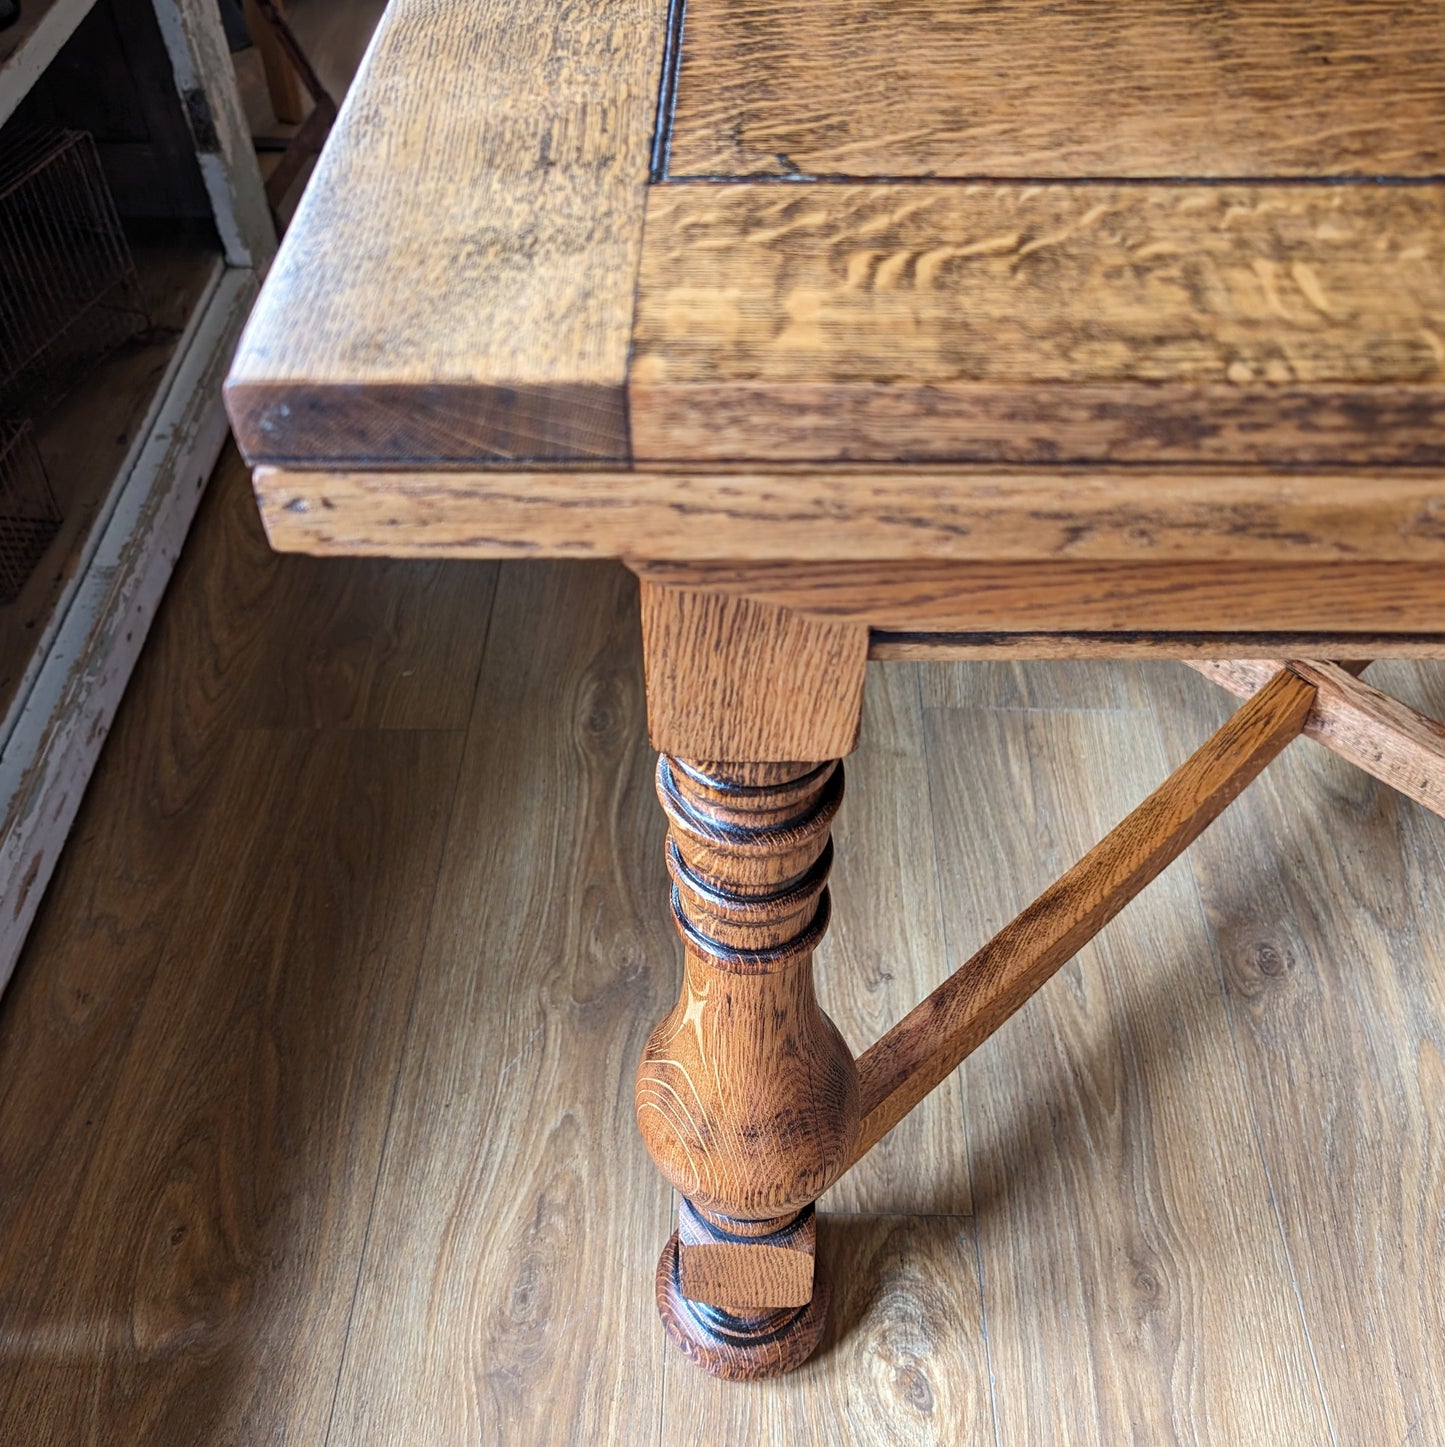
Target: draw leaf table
<point>931,328</point>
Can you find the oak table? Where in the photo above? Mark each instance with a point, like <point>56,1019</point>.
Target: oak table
<point>934,328</point>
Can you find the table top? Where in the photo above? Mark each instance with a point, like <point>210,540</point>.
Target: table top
<point>930,230</point>
<point>825,279</point>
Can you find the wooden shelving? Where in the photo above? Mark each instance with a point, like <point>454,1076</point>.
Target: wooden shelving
<point>93,436</point>
<point>130,449</point>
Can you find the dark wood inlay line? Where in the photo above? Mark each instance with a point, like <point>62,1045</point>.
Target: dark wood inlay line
<point>667,90</point>
<point>843,178</point>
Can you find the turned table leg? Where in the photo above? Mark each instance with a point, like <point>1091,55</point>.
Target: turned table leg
<point>747,1095</point>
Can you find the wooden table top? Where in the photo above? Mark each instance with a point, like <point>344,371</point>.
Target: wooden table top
<point>868,265</point>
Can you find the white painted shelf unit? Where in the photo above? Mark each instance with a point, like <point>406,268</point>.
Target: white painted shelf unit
<point>81,658</point>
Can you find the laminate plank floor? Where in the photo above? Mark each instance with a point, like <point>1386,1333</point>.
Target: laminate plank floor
<point>315,1077</point>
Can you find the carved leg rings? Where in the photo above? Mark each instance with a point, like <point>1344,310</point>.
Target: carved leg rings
<point>747,1095</point>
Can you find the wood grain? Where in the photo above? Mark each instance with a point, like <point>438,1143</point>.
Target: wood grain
<point>166,779</point>
<point>747,1095</point>
<point>736,1275</point>
<point>202,1004</point>
<point>1064,647</point>
<point>1035,323</point>
<point>260,641</point>
<point>1322,893</point>
<point>1057,683</point>
<point>1350,711</point>
<point>885,950</point>
<point>79,659</point>
<point>1111,1124</point>
<point>505,1294</point>
<point>1386,738</point>
<point>1028,88</point>
<point>1134,1281</point>
<point>770,1343</point>
<point>930,1042</point>
<point>458,280</point>
<point>173,1191</point>
<point>1074,597</point>
<point>984,513</point>
<point>904,1359</point>
<point>1244,677</point>
<point>725,677</point>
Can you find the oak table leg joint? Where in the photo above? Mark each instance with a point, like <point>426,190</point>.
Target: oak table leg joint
<point>747,1095</point>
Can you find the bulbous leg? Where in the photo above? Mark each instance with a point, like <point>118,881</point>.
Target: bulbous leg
<point>747,1096</point>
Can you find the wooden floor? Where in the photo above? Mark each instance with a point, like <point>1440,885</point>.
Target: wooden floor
<point>315,1079</point>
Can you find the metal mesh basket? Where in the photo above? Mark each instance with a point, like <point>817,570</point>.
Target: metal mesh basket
<point>29,518</point>
<point>68,287</point>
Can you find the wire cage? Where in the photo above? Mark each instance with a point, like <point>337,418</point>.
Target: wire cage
<point>68,287</point>
<point>29,517</point>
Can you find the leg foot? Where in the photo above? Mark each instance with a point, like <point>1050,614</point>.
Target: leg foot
<point>739,1347</point>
